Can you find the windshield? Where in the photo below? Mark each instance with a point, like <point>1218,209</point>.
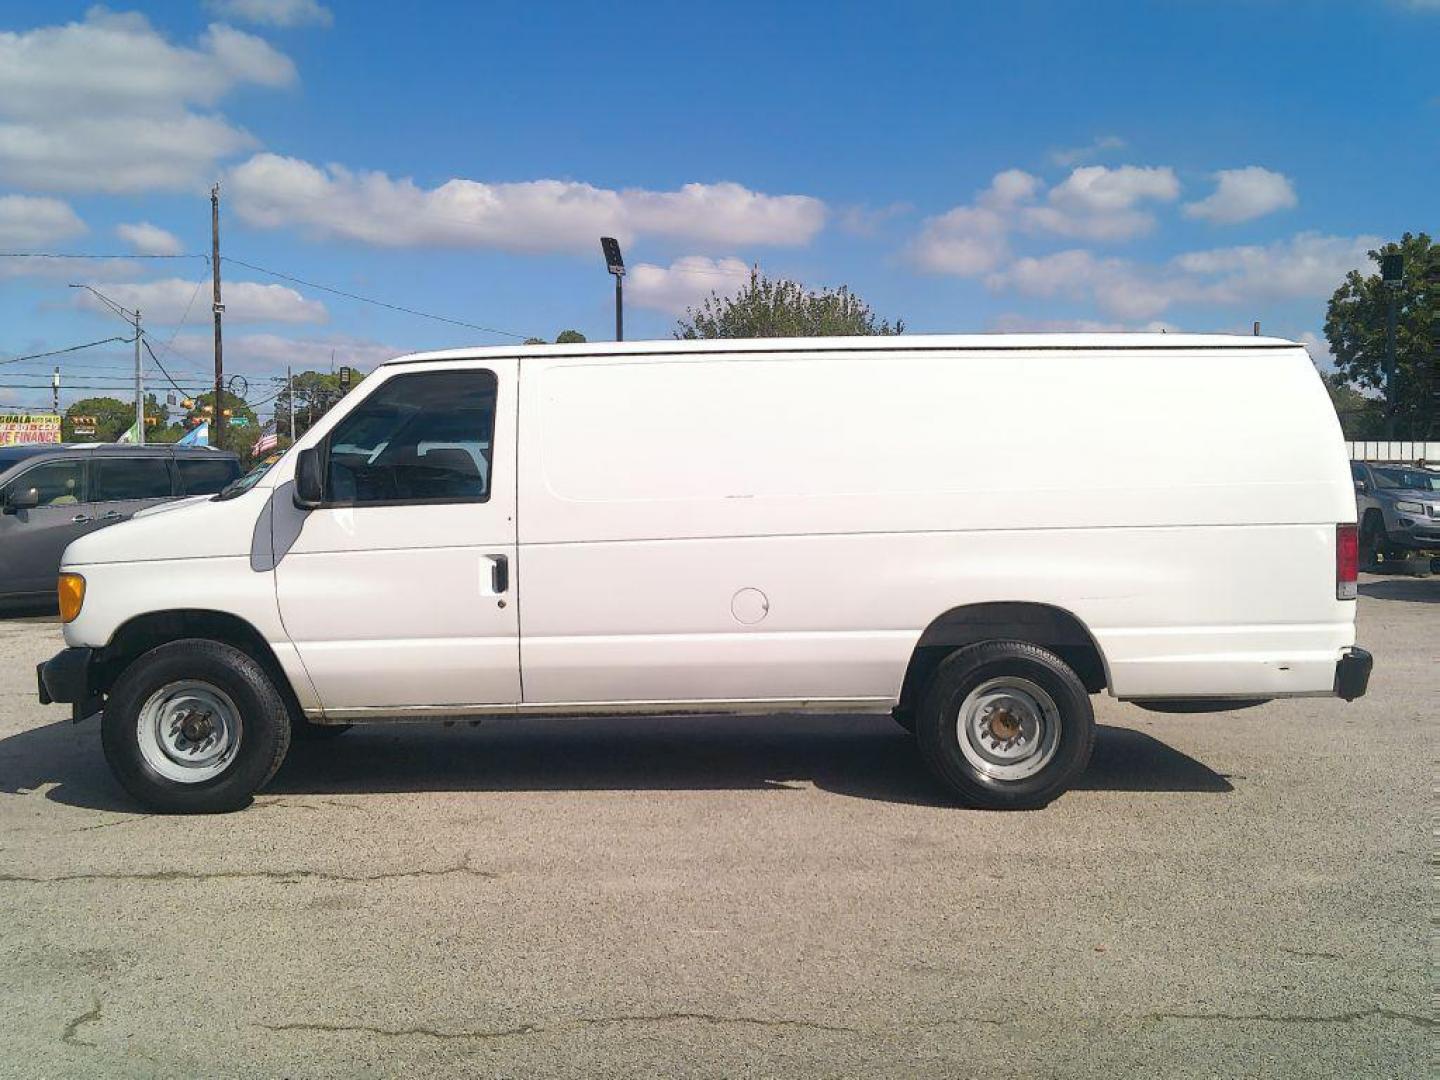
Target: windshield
<point>250,479</point>
<point>1409,479</point>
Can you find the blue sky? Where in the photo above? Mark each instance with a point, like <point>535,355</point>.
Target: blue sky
<point>964,167</point>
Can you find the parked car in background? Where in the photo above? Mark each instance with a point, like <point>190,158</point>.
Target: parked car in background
<point>1399,511</point>
<point>51,494</point>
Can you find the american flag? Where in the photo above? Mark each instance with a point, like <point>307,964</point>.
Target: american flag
<point>269,438</point>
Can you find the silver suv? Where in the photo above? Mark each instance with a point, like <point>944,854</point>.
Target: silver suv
<point>52,493</point>
<point>1399,511</point>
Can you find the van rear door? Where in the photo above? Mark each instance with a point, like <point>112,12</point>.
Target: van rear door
<point>398,591</point>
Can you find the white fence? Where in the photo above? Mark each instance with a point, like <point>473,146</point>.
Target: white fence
<point>1400,451</point>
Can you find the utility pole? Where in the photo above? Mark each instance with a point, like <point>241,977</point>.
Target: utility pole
<point>218,432</point>
<point>290,394</point>
<point>55,391</point>
<point>139,388</point>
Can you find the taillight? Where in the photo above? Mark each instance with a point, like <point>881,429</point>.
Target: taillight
<point>1347,561</point>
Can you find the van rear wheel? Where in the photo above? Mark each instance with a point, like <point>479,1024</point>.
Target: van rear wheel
<point>194,727</point>
<point>1006,725</point>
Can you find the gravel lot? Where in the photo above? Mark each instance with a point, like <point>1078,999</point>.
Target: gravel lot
<point>1239,894</point>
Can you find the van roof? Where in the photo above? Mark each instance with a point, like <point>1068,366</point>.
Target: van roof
<point>905,342</point>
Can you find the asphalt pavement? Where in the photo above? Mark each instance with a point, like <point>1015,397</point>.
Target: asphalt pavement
<point>1224,895</point>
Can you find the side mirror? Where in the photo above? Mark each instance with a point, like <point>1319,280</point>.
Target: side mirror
<point>1360,486</point>
<point>309,480</point>
<point>23,499</point>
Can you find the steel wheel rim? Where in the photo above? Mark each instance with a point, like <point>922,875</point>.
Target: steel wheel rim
<point>189,731</point>
<point>1008,728</point>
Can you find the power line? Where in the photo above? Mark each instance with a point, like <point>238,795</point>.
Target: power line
<point>59,352</point>
<point>371,300</point>
<point>61,255</point>
<point>161,366</point>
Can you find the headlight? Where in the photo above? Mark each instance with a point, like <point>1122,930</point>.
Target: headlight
<point>1409,507</point>
<point>71,588</point>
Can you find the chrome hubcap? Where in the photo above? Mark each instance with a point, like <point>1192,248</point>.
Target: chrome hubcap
<point>188,731</point>
<point>1008,728</point>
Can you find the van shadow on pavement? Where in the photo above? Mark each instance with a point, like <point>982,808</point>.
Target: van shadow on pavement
<point>862,757</point>
<point>1415,590</point>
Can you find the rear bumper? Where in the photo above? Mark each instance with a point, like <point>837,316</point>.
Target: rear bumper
<point>65,679</point>
<point>1352,673</point>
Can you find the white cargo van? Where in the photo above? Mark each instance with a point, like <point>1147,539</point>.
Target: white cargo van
<point>972,533</point>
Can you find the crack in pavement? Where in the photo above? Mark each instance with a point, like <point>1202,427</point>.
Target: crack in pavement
<point>250,875</point>
<point>397,1033</point>
<point>538,1029</point>
<point>68,1035</point>
<point>1335,1018</point>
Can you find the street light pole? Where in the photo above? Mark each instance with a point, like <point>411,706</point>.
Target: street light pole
<point>615,264</point>
<point>1392,276</point>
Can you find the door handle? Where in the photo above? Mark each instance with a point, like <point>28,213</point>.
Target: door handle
<point>111,515</point>
<point>80,519</point>
<point>499,574</point>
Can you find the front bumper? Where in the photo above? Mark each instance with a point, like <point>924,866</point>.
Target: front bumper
<point>65,679</point>
<point>1352,673</point>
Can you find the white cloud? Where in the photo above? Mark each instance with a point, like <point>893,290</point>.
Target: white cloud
<point>684,283</point>
<point>527,216</point>
<point>1243,195</point>
<point>29,221</point>
<point>167,301</point>
<point>1075,155</point>
<point>109,104</point>
<point>273,12</point>
<point>1098,203</point>
<point>259,356</point>
<point>1307,266</point>
<point>973,239</point>
<point>1093,202</point>
<point>1025,324</point>
<point>147,239</point>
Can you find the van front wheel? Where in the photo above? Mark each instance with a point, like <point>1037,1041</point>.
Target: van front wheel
<point>1006,725</point>
<point>194,727</point>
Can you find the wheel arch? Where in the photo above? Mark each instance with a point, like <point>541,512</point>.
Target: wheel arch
<point>1047,625</point>
<point>138,635</point>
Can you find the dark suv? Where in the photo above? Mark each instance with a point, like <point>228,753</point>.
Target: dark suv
<point>51,493</point>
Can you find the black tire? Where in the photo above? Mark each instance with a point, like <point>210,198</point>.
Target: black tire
<point>966,669</point>
<point>1374,543</point>
<point>265,726</point>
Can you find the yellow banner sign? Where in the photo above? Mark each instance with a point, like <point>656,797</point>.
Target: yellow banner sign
<point>29,428</point>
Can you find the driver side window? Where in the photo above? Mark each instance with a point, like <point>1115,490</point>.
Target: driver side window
<point>56,483</point>
<point>423,438</point>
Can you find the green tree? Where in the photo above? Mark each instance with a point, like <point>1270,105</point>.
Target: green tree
<point>1361,416</point>
<point>570,337</point>
<point>238,437</point>
<point>113,418</point>
<point>1355,329</point>
<point>779,307</point>
<point>315,393</point>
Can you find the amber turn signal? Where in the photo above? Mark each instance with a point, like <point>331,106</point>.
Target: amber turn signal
<point>71,588</point>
